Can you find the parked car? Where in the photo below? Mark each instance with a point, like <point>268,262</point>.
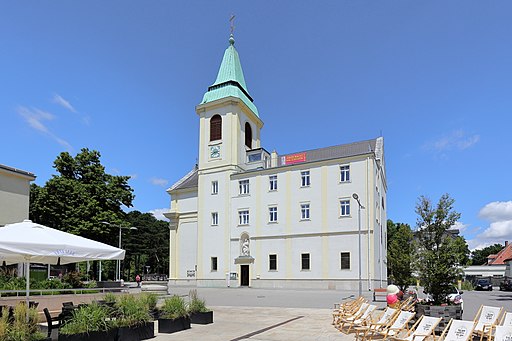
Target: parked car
<point>506,285</point>
<point>483,284</point>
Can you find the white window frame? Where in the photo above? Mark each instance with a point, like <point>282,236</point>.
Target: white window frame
<point>344,207</point>
<point>269,262</point>
<point>243,217</point>
<point>216,264</point>
<point>243,187</point>
<point>272,214</point>
<point>305,178</point>
<point>305,211</point>
<point>341,256</point>
<point>215,218</point>
<point>302,264</point>
<point>215,187</point>
<point>344,173</point>
<point>272,179</point>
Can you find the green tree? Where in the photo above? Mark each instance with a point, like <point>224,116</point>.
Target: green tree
<point>81,196</point>
<point>146,246</point>
<point>479,256</point>
<point>400,254</point>
<point>439,253</point>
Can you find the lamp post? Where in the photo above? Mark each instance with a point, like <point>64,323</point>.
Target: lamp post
<point>356,198</point>
<point>118,265</point>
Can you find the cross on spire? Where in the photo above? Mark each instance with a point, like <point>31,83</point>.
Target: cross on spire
<point>232,23</point>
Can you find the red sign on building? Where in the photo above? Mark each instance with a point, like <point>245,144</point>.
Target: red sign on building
<point>294,158</point>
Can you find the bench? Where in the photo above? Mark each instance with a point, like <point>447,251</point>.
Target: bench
<point>379,292</point>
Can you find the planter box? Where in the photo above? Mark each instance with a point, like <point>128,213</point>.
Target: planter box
<point>109,335</point>
<point>202,318</point>
<point>446,312</point>
<point>173,325</point>
<point>136,333</point>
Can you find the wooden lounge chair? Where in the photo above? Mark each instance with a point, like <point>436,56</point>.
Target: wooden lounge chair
<point>347,308</point>
<point>458,330</point>
<point>486,318</point>
<point>343,316</point>
<point>400,324</point>
<point>422,329</point>
<point>502,333</point>
<point>506,321</point>
<point>365,318</point>
<point>383,321</point>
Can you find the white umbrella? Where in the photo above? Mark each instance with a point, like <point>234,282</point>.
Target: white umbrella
<point>28,242</point>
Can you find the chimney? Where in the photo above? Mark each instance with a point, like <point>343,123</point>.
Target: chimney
<point>506,243</point>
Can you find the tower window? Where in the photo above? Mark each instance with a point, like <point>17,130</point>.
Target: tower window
<point>305,180</point>
<point>272,262</point>
<point>304,261</point>
<point>248,135</point>
<point>345,260</point>
<point>215,128</point>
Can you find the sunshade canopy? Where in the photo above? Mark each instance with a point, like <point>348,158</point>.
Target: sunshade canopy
<point>35,243</point>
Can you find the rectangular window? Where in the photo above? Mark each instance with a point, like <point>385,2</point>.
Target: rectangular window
<point>344,173</point>
<point>215,218</point>
<point>215,187</point>
<point>243,186</point>
<point>243,217</point>
<point>273,182</point>
<point>272,214</point>
<point>345,260</point>
<point>214,264</point>
<point>344,208</point>
<point>304,261</point>
<point>305,181</point>
<point>272,262</point>
<point>304,211</point>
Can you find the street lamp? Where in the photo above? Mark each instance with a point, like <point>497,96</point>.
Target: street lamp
<point>356,198</point>
<point>118,267</point>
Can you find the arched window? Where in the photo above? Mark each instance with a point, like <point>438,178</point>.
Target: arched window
<point>215,128</point>
<point>248,135</point>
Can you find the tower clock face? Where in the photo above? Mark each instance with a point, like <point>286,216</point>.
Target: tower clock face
<point>214,151</point>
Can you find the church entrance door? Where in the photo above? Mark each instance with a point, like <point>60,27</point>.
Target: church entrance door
<point>244,275</point>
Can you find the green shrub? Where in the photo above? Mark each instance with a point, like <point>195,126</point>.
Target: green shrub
<point>19,329</point>
<point>196,305</point>
<point>89,318</point>
<point>468,286</point>
<point>150,299</point>
<point>132,311</point>
<point>73,278</point>
<point>110,297</point>
<point>174,307</point>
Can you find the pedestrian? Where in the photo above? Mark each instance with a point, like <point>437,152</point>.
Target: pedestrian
<point>392,298</point>
<point>137,279</point>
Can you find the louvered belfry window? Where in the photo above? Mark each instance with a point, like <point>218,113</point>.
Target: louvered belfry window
<point>248,135</point>
<point>215,128</point>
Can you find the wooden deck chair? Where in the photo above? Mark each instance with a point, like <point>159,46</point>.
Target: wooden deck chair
<point>422,329</point>
<point>506,321</point>
<point>502,333</point>
<point>365,318</point>
<point>343,317</point>
<point>408,304</point>
<point>458,330</point>
<point>384,320</point>
<point>400,324</point>
<point>347,308</point>
<point>486,318</point>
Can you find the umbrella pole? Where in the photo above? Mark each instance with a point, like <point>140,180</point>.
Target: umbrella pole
<point>27,278</point>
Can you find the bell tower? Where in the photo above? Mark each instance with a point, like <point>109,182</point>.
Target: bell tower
<point>229,120</point>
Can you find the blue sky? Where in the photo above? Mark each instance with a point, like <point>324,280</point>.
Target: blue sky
<point>123,77</point>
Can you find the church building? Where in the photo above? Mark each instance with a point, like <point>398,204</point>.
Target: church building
<point>244,216</point>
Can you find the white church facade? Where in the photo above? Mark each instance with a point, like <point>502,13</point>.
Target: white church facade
<point>248,217</point>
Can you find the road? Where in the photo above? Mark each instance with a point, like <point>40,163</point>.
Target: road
<point>295,298</point>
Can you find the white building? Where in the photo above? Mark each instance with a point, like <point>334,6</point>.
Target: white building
<point>247,217</point>
<point>14,194</point>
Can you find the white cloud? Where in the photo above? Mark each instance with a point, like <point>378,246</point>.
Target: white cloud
<point>497,211</point>
<point>36,118</point>
<point>159,182</point>
<point>459,226</point>
<point>63,103</point>
<point>456,140</point>
<point>499,214</point>
<point>158,213</point>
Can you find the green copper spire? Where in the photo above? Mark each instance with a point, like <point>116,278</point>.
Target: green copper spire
<point>230,80</point>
